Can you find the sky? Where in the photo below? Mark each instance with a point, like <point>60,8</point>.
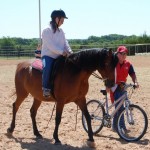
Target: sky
<point>20,18</point>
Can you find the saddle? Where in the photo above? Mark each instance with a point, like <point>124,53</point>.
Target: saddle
<point>37,64</point>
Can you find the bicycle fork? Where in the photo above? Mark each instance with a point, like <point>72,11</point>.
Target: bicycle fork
<point>129,113</point>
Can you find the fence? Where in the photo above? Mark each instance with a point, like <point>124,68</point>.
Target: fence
<point>138,48</point>
<point>25,52</point>
<point>133,48</point>
<point>17,53</point>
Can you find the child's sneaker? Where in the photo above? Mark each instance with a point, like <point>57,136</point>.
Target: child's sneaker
<point>47,93</point>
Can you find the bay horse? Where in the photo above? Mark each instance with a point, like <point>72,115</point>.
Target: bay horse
<point>70,85</point>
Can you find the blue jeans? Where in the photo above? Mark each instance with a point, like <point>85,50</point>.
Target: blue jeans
<point>47,67</point>
<point>118,94</point>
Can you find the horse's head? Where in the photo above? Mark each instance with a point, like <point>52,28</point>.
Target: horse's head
<point>107,66</point>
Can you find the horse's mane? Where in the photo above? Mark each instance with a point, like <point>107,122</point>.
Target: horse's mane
<point>88,59</point>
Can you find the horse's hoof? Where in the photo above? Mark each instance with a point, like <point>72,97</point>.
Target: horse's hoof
<point>91,144</point>
<point>39,136</point>
<point>58,143</point>
<point>9,133</point>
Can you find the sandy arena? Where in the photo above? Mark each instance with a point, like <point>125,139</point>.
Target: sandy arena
<point>23,138</point>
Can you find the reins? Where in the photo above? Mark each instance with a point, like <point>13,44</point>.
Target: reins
<point>76,119</point>
<point>50,117</point>
<point>97,76</point>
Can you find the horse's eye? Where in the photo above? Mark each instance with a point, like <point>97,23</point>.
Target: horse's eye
<point>106,64</point>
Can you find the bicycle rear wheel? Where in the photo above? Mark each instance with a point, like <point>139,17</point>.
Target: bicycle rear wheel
<point>96,111</point>
<point>136,123</point>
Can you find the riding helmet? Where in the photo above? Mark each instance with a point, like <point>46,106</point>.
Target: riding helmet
<point>58,13</point>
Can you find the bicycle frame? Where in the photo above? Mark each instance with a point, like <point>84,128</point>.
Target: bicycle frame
<point>121,100</point>
<point>135,118</point>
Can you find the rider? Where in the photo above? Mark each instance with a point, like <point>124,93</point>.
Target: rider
<point>123,68</point>
<point>54,44</point>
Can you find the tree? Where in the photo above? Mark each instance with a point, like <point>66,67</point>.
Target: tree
<point>7,46</point>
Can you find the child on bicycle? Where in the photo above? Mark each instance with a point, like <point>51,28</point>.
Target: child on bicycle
<point>123,68</point>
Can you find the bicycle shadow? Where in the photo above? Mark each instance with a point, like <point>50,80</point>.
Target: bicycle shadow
<point>140,142</point>
<point>45,144</point>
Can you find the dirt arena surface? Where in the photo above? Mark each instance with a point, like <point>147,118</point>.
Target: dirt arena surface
<point>23,138</point>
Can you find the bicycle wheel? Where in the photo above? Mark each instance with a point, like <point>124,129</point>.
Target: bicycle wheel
<point>136,123</point>
<point>96,111</point>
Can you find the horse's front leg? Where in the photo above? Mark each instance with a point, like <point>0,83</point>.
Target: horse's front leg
<point>33,112</point>
<point>82,105</point>
<point>59,109</point>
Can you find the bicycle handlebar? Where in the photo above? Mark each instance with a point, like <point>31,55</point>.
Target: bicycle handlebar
<point>130,85</point>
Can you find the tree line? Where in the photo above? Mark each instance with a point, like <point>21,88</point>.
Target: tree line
<point>19,46</point>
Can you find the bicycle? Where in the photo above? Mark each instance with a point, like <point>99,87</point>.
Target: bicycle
<point>135,118</point>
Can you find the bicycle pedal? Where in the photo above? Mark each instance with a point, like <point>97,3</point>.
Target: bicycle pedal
<point>109,126</point>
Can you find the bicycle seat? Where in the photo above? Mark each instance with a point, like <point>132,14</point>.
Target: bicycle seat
<point>103,92</point>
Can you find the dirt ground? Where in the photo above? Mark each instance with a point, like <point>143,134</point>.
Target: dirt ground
<point>72,139</point>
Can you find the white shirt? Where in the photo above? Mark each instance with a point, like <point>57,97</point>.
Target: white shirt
<point>54,44</point>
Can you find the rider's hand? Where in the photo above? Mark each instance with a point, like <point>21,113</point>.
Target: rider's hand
<point>64,53</point>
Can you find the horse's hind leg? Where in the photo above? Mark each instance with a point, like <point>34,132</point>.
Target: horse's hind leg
<point>16,105</point>
<point>33,112</point>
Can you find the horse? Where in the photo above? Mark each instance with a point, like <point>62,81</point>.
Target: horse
<point>70,85</point>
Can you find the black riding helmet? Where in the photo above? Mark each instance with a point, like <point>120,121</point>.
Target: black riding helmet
<point>58,13</point>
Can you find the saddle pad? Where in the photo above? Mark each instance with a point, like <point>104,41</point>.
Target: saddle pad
<point>37,64</point>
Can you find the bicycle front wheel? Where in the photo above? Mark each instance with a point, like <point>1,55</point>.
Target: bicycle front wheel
<point>136,123</point>
<point>96,111</point>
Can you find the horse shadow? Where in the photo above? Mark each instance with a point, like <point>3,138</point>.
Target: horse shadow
<point>44,144</point>
<point>140,142</point>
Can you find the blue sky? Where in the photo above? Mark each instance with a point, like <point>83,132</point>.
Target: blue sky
<point>19,18</point>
